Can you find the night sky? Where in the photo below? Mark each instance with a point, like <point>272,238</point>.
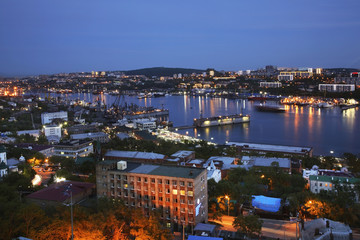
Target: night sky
<point>82,35</point>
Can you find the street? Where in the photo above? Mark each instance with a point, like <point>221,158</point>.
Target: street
<point>271,228</point>
<point>44,175</point>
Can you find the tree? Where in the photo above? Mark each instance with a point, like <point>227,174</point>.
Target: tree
<point>249,225</point>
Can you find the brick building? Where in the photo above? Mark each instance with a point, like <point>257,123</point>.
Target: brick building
<point>179,193</point>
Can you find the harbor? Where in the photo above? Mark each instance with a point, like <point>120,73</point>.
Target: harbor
<point>326,129</point>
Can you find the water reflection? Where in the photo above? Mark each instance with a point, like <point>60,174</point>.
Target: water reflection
<point>299,126</point>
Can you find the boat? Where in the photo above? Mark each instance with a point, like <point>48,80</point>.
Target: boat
<point>221,120</point>
<point>270,108</point>
<point>263,98</point>
<point>324,105</point>
<point>348,106</point>
<point>159,94</point>
<point>257,98</point>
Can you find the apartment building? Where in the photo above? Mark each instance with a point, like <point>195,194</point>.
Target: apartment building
<point>179,193</point>
<point>74,148</point>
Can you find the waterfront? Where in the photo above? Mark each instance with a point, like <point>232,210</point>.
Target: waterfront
<point>323,129</point>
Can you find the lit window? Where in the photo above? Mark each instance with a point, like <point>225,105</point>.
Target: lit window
<point>174,191</point>
<point>190,193</point>
<point>182,192</point>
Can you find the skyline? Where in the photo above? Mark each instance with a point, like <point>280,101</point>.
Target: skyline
<point>44,38</point>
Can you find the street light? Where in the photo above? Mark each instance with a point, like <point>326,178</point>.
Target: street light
<point>228,200</point>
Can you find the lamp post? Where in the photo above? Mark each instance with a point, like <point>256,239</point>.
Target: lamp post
<point>66,192</point>
<point>228,200</point>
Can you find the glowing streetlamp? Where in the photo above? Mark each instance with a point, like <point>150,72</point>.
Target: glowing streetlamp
<point>228,200</point>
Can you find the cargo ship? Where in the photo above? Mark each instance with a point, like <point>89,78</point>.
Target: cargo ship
<point>221,120</point>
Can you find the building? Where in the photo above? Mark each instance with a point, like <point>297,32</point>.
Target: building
<point>286,78</point>
<point>52,133</point>
<point>322,228</point>
<point>47,118</point>
<point>145,157</point>
<point>301,74</point>
<point>145,124</point>
<point>3,162</point>
<point>183,155</point>
<point>76,129</point>
<point>34,133</point>
<point>318,71</point>
<point>353,79</point>
<point>180,193</point>
<point>213,172</point>
<point>47,150</point>
<point>325,172</point>
<point>95,136</point>
<point>337,87</point>
<point>250,161</point>
<point>270,84</point>
<point>74,148</point>
<point>327,183</point>
<point>267,148</point>
<point>59,193</point>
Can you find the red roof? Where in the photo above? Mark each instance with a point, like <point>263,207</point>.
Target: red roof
<point>57,191</point>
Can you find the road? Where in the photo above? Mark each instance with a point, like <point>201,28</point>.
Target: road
<point>45,175</point>
<point>271,228</point>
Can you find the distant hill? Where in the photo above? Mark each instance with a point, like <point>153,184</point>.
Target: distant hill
<point>162,71</point>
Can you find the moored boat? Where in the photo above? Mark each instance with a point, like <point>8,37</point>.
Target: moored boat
<point>221,120</point>
<point>270,108</point>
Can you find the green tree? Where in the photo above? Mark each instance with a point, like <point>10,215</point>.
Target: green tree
<point>249,225</point>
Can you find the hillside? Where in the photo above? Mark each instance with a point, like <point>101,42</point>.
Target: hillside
<point>162,71</point>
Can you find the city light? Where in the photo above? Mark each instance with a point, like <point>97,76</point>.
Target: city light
<point>36,180</point>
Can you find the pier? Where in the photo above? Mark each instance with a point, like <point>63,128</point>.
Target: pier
<point>181,127</point>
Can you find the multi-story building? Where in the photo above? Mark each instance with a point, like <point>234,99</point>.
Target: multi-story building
<point>52,130</point>
<point>178,193</point>
<point>95,136</point>
<point>270,84</point>
<point>353,79</point>
<point>74,148</point>
<point>286,77</point>
<point>337,87</point>
<point>327,183</point>
<point>47,118</point>
<point>301,74</point>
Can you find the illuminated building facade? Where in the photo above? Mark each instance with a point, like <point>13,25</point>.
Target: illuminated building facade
<point>178,193</point>
<point>337,87</point>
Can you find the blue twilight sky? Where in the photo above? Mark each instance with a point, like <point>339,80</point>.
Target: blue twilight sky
<point>42,36</point>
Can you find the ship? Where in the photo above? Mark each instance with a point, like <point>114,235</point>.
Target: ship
<point>263,98</point>
<point>221,120</point>
<point>270,108</point>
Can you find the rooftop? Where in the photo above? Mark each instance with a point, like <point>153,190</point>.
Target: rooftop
<point>134,154</point>
<point>268,147</point>
<point>88,135</point>
<point>182,153</point>
<point>56,192</point>
<point>159,170</point>
<point>266,162</point>
<point>333,179</point>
